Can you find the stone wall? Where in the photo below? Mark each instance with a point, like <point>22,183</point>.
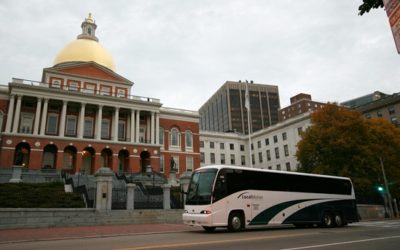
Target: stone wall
<point>59,217</point>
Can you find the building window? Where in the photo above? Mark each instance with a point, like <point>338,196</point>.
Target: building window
<point>278,167</point>
<point>242,148</point>
<point>88,127</point>
<point>275,138</point>
<point>233,161</point>
<point>162,164</point>
<point>252,146</point>
<point>201,144</point>
<point>299,130</point>
<point>243,160</point>
<point>253,160</point>
<point>286,150</point>
<point>287,166</point>
<point>259,144</point>
<point>189,163</point>
<point>222,158</point>
<point>284,136</point>
<point>268,155</point>
<point>232,146</point>
<point>212,158</point>
<point>121,130</point>
<point>211,144</point>
<point>379,113</point>
<point>176,160</point>
<point>73,85</point>
<point>52,124</point>
<point>276,153</point>
<point>105,90</point>
<point>222,145</point>
<point>161,137</point>
<point>202,157</point>
<point>70,128</point>
<point>189,139</point>
<point>391,110</point>
<point>105,129</point>
<point>266,141</point>
<point>26,123</point>
<point>175,137</point>
<point>260,158</point>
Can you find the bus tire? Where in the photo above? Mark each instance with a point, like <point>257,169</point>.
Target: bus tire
<point>338,220</point>
<point>327,220</point>
<point>235,222</point>
<point>209,229</point>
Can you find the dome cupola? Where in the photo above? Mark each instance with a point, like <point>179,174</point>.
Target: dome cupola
<point>86,48</point>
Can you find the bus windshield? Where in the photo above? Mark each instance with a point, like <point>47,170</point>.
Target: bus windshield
<point>200,188</point>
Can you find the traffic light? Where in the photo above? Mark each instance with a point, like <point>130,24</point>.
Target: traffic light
<point>380,189</point>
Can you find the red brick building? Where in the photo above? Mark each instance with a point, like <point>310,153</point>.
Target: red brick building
<point>81,116</point>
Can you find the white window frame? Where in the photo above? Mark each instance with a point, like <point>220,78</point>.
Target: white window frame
<point>86,127</point>
<point>71,119</point>
<point>189,140</point>
<point>175,143</point>
<point>52,116</point>
<point>189,163</point>
<point>26,121</point>
<point>105,124</point>
<point>122,130</point>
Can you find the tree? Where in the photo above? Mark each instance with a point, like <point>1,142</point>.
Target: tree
<point>367,5</point>
<point>342,142</point>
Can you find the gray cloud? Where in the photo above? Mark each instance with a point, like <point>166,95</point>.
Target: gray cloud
<point>182,51</point>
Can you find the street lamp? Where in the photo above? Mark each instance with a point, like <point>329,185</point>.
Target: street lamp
<point>389,197</point>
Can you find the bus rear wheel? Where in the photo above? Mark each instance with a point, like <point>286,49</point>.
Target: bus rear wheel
<point>327,220</point>
<point>338,220</point>
<point>235,222</point>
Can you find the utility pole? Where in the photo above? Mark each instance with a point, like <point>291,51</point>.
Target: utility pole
<point>389,197</point>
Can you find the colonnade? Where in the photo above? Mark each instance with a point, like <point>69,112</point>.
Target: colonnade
<point>41,116</point>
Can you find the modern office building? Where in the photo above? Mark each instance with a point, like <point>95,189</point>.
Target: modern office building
<point>226,111</point>
<point>82,116</point>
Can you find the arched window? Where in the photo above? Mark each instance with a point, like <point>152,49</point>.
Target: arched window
<point>49,157</point>
<point>69,159</point>
<point>161,137</point>
<point>106,158</point>
<point>175,137</point>
<point>189,139</point>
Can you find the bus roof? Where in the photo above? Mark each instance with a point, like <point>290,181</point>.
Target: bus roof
<point>270,171</point>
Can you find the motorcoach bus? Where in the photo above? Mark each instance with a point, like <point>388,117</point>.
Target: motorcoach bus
<point>241,197</point>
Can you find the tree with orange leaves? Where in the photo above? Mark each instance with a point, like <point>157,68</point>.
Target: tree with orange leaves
<point>342,142</point>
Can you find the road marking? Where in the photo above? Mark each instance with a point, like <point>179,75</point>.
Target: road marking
<point>187,244</point>
<point>343,243</point>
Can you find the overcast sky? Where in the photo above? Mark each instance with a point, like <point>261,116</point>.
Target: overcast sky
<point>182,51</point>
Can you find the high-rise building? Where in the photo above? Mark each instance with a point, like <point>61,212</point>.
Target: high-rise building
<point>226,110</point>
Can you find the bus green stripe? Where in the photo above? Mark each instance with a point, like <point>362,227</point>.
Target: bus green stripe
<point>265,216</point>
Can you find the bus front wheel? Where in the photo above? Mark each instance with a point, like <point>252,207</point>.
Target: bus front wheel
<point>235,222</point>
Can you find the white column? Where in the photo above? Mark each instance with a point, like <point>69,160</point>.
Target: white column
<point>10,113</point>
<point>148,129</point>
<point>17,114</point>
<point>44,117</point>
<point>63,117</point>
<point>157,128</point>
<point>115,125</point>
<point>81,121</point>
<point>152,127</point>
<point>98,122</point>
<point>133,132</point>
<point>37,116</point>
<point>137,126</point>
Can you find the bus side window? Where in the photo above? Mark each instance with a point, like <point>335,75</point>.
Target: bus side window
<point>220,189</point>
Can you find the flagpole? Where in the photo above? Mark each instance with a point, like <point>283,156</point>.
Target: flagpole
<point>247,105</point>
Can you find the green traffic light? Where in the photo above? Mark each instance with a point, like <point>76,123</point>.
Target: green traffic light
<point>380,189</point>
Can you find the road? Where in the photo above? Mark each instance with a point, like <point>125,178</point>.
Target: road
<point>363,235</point>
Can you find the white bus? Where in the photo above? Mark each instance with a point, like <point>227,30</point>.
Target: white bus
<point>239,197</point>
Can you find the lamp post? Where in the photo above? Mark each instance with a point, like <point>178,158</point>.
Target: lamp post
<point>389,197</point>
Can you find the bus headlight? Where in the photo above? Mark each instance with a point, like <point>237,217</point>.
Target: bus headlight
<point>205,212</point>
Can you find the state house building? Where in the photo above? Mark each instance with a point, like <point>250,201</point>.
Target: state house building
<point>81,116</point>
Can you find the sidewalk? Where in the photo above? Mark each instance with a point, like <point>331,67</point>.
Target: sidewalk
<point>53,233</point>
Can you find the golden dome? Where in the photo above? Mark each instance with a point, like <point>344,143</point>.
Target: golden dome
<point>85,50</point>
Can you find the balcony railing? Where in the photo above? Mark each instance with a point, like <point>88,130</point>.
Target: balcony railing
<point>98,92</point>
